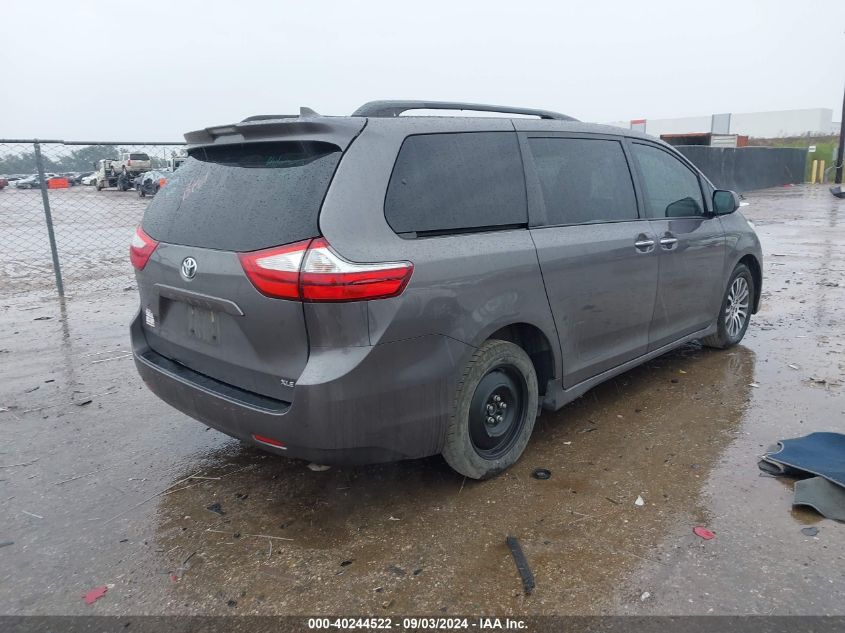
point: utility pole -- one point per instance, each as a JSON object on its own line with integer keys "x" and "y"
{"x": 839, "y": 153}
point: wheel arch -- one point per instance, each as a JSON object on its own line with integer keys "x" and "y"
{"x": 756, "y": 274}
{"x": 536, "y": 344}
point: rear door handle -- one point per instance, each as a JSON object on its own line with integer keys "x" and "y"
{"x": 668, "y": 243}
{"x": 644, "y": 244}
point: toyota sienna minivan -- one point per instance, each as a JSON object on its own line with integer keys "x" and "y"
{"x": 381, "y": 287}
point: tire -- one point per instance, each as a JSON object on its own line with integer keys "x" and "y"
{"x": 141, "y": 191}
{"x": 730, "y": 331}
{"x": 474, "y": 447}
{"x": 99, "y": 187}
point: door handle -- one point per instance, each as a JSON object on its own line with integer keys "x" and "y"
{"x": 668, "y": 242}
{"x": 643, "y": 244}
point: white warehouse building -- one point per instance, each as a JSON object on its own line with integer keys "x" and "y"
{"x": 777, "y": 124}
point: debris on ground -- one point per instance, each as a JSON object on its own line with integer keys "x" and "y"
{"x": 216, "y": 508}
{"x": 81, "y": 399}
{"x": 703, "y": 532}
{"x": 42, "y": 318}
{"x": 176, "y": 575}
{"x": 20, "y": 464}
{"x": 541, "y": 473}
{"x": 639, "y": 501}
{"x": 645, "y": 596}
{"x": 6, "y": 543}
{"x": 95, "y": 594}
{"x": 318, "y": 468}
{"x": 809, "y": 531}
{"x": 821, "y": 454}
{"x": 240, "y": 534}
{"x": 821, "y": 495}
{"x": 346, "y": 563}
{"x": 521, "y": 564}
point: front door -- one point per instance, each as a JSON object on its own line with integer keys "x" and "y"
{"x": 691, "y": 245}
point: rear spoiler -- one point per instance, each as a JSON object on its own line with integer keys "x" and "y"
{"x": 307, "y": 126}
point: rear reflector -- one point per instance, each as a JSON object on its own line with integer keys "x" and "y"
{"x": 268, "y": 440}
{"x": 140, "y": 249}
{"x": 312, "y": 271}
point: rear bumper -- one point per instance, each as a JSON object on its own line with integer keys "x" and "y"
{"x": 351, "y": 405}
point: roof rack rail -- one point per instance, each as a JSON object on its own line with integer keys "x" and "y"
{"x": 395, "y": 108}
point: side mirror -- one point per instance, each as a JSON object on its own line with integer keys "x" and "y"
{"x": 725, "y": 202}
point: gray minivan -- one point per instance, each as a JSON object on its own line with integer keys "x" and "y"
{"x": 381, "y": 287}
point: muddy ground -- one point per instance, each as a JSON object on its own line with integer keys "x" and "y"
{"x": 98, "y": 493}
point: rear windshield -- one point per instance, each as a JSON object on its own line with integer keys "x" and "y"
{"x": 138, "y": 157}
{"x": 244, "y": 197}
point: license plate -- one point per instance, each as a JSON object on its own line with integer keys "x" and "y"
{"x": 203, "y": 325}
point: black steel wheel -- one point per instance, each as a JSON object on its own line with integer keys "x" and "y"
{"x": 495, "y": 409}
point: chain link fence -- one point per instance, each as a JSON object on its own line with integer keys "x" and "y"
{"x": 68, "y": 210}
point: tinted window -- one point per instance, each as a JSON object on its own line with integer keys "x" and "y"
{"x": 138, "y": 157}
{"x": 244, "y": 197}
{"x": 583, "y": 180}
{"x": 449, "y": 182}
{"x": 671, "y": 188}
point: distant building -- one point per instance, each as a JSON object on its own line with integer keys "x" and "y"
{"x": 777, "y": 124}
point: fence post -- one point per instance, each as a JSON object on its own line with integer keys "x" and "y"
{"x": 48, "y": 217}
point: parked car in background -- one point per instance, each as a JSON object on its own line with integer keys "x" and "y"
{"x": 71, "y": 177}
{"x": 89, "y": 179}
{"x": 31, "y": 182}
{"x": 381, "y": 287}
{"x": 3, "y": 183}
{"x": 28, "y": 182}
{"x": 148, "y": 183}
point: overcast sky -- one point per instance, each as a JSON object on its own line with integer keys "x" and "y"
{"x": 151, "y": 70}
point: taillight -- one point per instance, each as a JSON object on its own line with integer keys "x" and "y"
{"x": 275, "y": 271}
{"x": 326, "y": 276}
{"x": 140, "y": 248}
{"x": 312, "y": 271}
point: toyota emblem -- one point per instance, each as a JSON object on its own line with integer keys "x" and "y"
{"x": 189, "y": 268}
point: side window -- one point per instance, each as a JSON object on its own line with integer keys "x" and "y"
{"x": 583, "y": 180}
{"x": 456, "y": 182}
{"x": 672, "y": 190}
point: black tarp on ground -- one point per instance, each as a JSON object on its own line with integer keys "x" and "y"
{"x": 747, "y": 168}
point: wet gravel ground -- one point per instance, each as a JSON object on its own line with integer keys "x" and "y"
{"x": 102, "y": 484}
